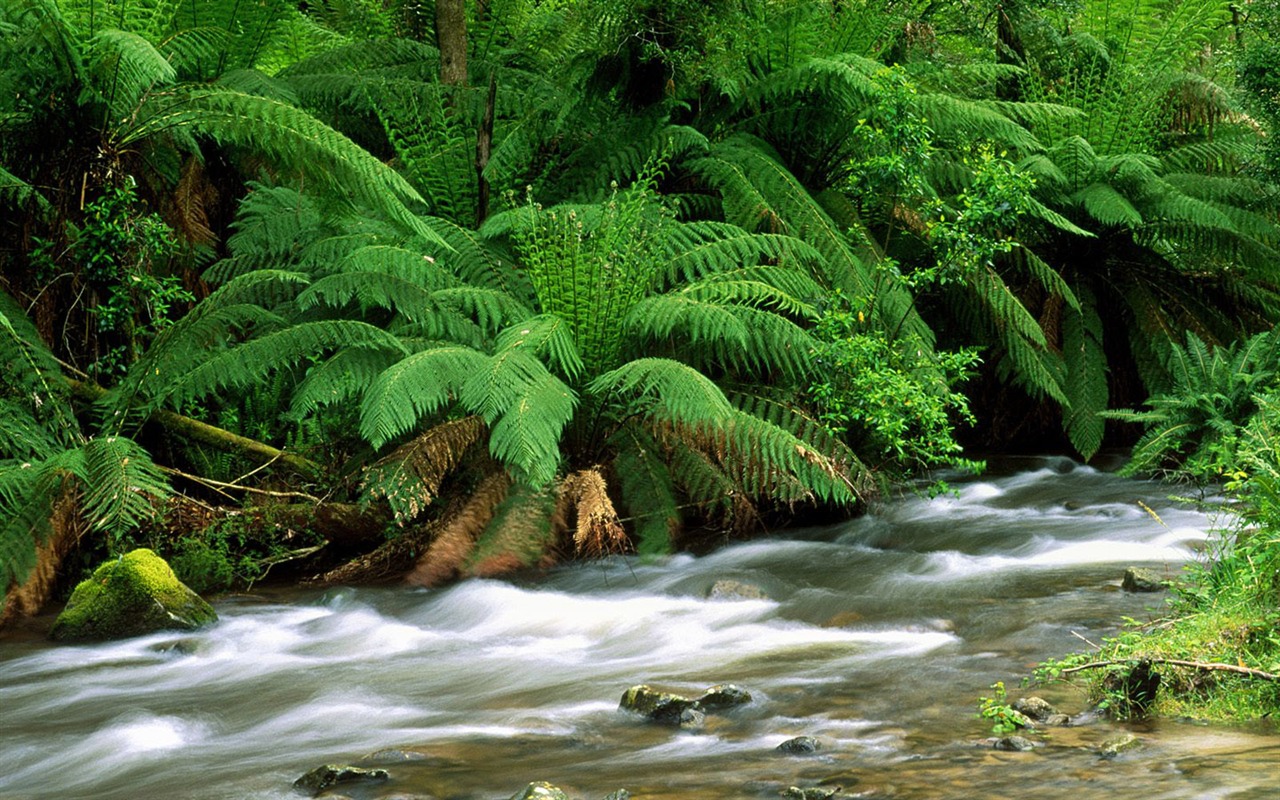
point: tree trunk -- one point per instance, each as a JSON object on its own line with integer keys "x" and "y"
{"x": 211, "y": 435}
{"x": 451, "y": 38}
{"x": 484, "y": 147}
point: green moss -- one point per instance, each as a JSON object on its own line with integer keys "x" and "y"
{"x": 134, "y": 594}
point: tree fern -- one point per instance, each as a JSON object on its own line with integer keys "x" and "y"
{"x": 1086, "y": 376}
{"x": 291, "y": 136}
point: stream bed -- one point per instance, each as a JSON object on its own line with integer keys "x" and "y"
{"x": 877, "y": 636}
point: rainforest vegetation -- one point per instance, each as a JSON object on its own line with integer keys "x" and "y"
{"x": 458, "y": 288}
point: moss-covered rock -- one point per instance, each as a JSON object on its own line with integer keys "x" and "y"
{"x": 132, "y": 595}
{"x": 540, "y": 790}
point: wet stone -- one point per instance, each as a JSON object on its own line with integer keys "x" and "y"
{"x": 1014, "y": 744}
{"x": 735, "y": 590}
{"x": 1123, "y": 743}
{"x": 540, "y": 790}
{"x": 811, "y": 793}
{"x": 1058, "y": 721}
{"x": 1035, "y": 708}
{"x": 329, "y": 775}
{"x": 722, "y": 696}
{"x": 1137, "y": 579}
{"x": 618, "y": 794}
{"x": 799, "y": 746}
{"x": 664, "y": 707}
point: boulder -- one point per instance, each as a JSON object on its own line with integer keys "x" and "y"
{"x": 735, "y": 590}
{"x": 722, "y": 696}
{"x": 799, "y": 746}
{"x": 132, "y": 595}
{"x": 330, "y": 775}
{"x": 811, "y": 792}
{"x": 664, "y": 707}
{"x": 540, "y": 790}
{"x": 1034, "y": 708}
{"x": 1138, "y": 579}
{"x": 618, "y": 794}
{"x": 1017, "y": 744}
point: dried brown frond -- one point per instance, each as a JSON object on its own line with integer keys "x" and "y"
{"x": 190, "y": 198}
{"x": 598, "y": 531}
{"x": 410, "y": 476}
{"x": 457, "y": 539}
{"x": 520, "y": 535}
{"x": 26, "y": 599}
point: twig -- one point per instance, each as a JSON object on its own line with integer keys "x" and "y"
{"x": 213, "y": 484}
{"x": 1086, "y": 641}
{"x": 1206, "y": 667}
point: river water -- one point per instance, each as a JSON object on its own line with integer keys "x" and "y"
{"x": 877, "y": 638}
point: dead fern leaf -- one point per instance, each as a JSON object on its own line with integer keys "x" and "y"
{"x": 598, "y": 530}
{"x": 410, "y": 476}
{"x": 456, "y": 542}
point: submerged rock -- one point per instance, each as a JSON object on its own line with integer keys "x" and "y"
{"x": 330, "y": 775}
{"x": 540, "y": 790}
{"x": 735, "y": 590}
{"x": 1116, "y": 745}
{"x": 132, "y": 595}
{"x": 799, "y": 746}
{"x": 618, "y": 794}
{"x": 722, "y": 696}
{"x": 1137, "y": 579}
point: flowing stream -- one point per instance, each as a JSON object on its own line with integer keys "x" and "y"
{"x": 877, "y": 637}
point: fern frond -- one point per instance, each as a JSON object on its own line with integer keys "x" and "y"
{"x": 697, "y": 249}
{"x": 123, "y": 485}
{"x": 252, "y": 361}
{"x": 647, "y": 493}
{"x": 343, "y": 376}
{"x": 526, "y": 408}
{"x": 123, "y": 67}
{"x": 286, "y": 134}
{"x": 21, "y": 435}
{"x": 548, "y": 337}
{"x": 597, "y": 531}
{"x": 676, "y": 390}
{"x": 1086, "y": 371}
{"x": 520, "y": 535}
{"x": 415, "y": 387}
{"x": 451, "y": 548}
{"x": 409, "y": 477}
{"x": 1108, "y": 206}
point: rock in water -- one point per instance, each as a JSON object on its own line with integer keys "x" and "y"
{"x": 799, "y": 746}
{"x": 725, "y": 695}
{"x": 1016, "y": 744}
{"x": 1035, "y": 708}
{"x": 659, "y": 706}
{"x": 735, "y": 590}
{"x": 132, "y": 595}
{"x": 329, "y": 775}
{"x": 1121, "y": 743}
{"x": 540, "y": 790}
{"x": 1137, "y": 579}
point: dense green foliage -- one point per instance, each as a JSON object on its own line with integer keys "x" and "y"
{"x": 643, "y": 269}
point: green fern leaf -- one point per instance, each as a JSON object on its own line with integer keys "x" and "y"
{"x": 1086, "y": 384}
